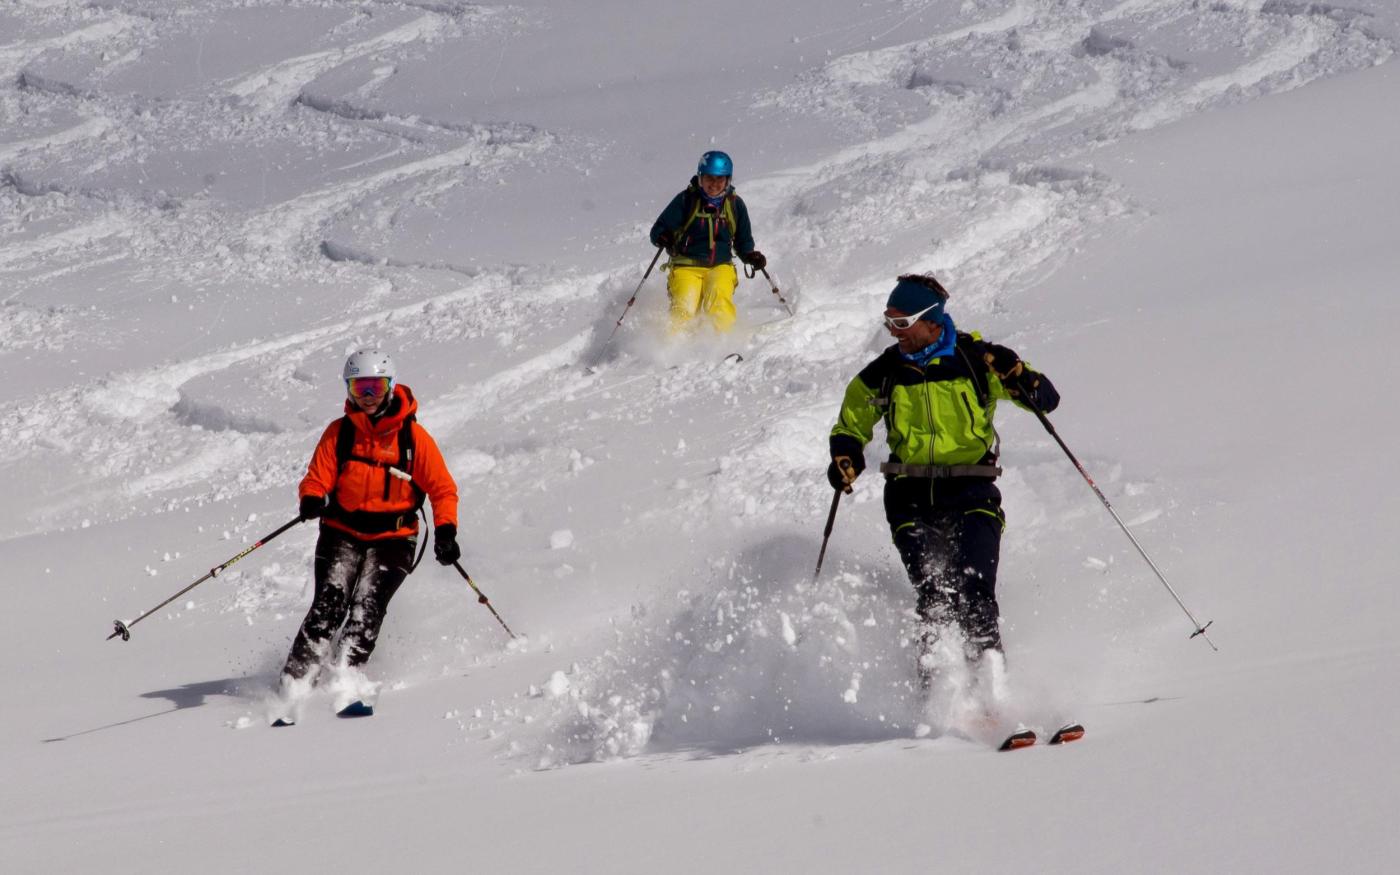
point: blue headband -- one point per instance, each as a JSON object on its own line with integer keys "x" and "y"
{"x": 910, "y": 297}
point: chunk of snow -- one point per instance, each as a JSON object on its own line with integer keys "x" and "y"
{"x": 557, "y": 686}
{"x": 789, "y": 633}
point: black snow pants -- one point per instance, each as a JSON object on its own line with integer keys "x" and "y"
{"x": 948, "y": 532}
{"x": 354, "y": 581}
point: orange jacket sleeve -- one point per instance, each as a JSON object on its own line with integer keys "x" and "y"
{"x": 431, "y": 474}
{"x": 323, "y": 468}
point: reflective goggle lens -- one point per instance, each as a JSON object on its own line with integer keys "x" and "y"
{"x": 368, "y": 385}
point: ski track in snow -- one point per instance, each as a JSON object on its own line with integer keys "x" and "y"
{"x": 759, "y": 655}
{"x": 269, "y": 108}
{"x": 14, "y": 56}
{"x": 273, "y": 89}
{"x": 89, "y": 129}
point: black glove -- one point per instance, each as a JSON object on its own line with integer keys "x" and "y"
{"x": 1009, "y": 368}
{"x": 1002, "y": 362}
{"x": 445, "y": 548}
{"x": 755, "y": 260}
{"x": 843, "y": 471}
{"x": 311, "y": 506}
{"x": 665, "y": 239}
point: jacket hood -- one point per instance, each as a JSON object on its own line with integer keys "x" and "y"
{"x": 401, "y": 407}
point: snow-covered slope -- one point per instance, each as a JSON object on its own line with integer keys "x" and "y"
{"x": 1180, "y": 211}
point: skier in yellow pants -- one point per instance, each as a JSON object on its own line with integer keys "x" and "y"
{"x": 708, "y": 290}
{"x": 702, "y": 229}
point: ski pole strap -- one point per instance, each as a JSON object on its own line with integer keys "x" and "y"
{"x": 938, "y": 472}
{"x": 423, "y": 548}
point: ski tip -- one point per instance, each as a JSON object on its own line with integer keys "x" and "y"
{"x": 356, "y": 709}
{"x": 283, "y": 721}
{"x": 1067, "y": 733}
{"x": 1018, "y": 740}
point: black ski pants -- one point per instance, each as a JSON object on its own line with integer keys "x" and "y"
{"x": 354, "y": 582}
{"x": 948, "y": 533}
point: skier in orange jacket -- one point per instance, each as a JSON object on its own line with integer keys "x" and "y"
{"x": 367, "y": 479}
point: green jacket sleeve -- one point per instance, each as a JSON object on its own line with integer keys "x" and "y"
{"x": 855, "y": 426}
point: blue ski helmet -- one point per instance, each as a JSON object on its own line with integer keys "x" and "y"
{"x": 715, "y": 164}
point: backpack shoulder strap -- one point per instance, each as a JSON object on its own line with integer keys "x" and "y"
{"x": 884, "y": 371}
{"x": 345, "y": 451}
{"x": 728, "y": 212}
{"x": 693, "y": 199}
{"x": 344, "y": 443}
{"x": 406, "y": 454}
{"x": 969, "y": 347}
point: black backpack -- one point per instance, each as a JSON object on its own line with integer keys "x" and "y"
{"x": 345, "y": 452}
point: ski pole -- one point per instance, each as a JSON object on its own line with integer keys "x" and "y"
{"x": 774, "y": 286}
{"x": 630, "y": 301}
{"x": 749, "y": 273}
{"x": 830, "y": 523}
{"x": 481, "y": 597}
{"x": 124, "y": 629}
{"x": 1045, "y": 421}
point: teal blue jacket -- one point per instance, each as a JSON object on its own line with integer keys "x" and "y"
{"x": 701, "y": 234}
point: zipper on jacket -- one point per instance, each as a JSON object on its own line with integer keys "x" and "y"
{"x": 932, "y": 435}
{"x": 972, "y": 418}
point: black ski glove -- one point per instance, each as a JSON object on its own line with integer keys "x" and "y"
{"x": 843, "y": 471}
{"x": 755, "y": 260}
{"x": 445, "y": 548}
{"x": 311, "y": 506}
{"x": 665, "y": 240}
{"x": 1002, "y": 362}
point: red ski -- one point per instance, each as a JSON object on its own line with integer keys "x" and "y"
{"x": 1027, "y": 737}
{"x": 1067, "y": 733}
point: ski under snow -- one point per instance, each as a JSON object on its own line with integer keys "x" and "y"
{"x": 1027, "y": 737}
{"x": 356, "y": 708}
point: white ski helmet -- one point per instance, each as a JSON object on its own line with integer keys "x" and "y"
{"x": 370, "y": 363}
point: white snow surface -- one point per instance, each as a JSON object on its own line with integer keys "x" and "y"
{"x": 1183, "y": 212}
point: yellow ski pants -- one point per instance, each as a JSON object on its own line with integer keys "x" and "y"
{"x": 708, "y": 290}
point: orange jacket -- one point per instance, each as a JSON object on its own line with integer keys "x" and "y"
{"x": 360, "y": 486}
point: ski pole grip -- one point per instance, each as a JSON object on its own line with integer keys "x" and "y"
{"x": 845, "y": 466}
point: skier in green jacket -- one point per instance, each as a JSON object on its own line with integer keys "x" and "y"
{"x": 936, "y": 389}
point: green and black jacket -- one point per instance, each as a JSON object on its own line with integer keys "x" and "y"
{"x": 938, "y": 414}
{"x": 702, "y": 235}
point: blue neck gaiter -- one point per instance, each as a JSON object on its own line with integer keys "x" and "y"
{"x": 944, "y": 345}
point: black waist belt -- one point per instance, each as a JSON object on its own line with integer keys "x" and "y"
{"x": 371, "y": 522}
{"x": 935, "y": 472}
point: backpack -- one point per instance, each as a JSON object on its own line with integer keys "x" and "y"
{"x": 345, "y": 452}
{"x": 726, "y": 213}
{"x": 969, "y": 347}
